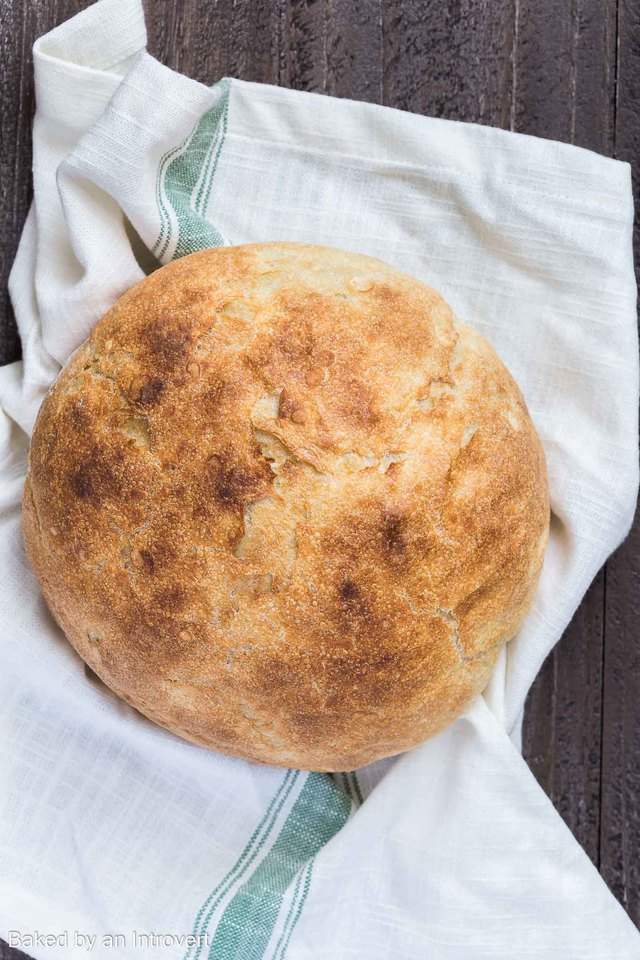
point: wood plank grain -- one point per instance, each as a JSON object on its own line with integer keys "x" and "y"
{"x": 16, "y": 110}
{"x": 452, "y": 60}
{"x": 20, "y": 25}
{"x": 545, "y": 58}
{"x": 303, "y": 50}
{"x": 562, "y": 729}
{"x": 564, "y": 88}
{"x": 564, "y": 57}
{"x": 594, "y": 78}
{"x": 354, "y": 49}
{"x": 10, "y": 953}
{"x": 208, "y": 41}
{"x": 332, "y": 46}
{"x": 620, "y": 824}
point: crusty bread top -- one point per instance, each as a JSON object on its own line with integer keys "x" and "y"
{"x": 283, "y": 503}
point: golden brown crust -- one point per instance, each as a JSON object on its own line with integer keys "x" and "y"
{"x": 286, "y": 506}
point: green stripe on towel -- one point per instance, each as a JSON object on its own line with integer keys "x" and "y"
{"x": 185, "y": 178}
{"x": 253, "y": 848}
{"x": 247, "y": 923}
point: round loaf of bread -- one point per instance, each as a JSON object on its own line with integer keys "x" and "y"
{"x": 286, "y": 506}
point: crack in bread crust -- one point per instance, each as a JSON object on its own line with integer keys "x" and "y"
{"x": 301, "y": 505}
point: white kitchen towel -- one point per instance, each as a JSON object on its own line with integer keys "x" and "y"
{"x": 119, "y": 840}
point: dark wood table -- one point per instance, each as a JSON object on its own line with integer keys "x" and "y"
{"x": 565, "y": 69}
